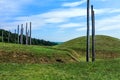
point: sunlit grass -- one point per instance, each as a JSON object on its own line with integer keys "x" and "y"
{"x": 100, "y": 70}
{"x": 105, "y": 46}
{"x": 13, "y": 53}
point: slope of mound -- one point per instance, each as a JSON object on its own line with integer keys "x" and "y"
{"x": 105, "y": 46}
{"x": 32, "y": 54}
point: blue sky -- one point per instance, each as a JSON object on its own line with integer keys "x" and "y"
{"x": 60, "y": 20}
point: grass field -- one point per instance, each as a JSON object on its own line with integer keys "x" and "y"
{"x": 100, "y": 70}
{"x": 63, "y": 62}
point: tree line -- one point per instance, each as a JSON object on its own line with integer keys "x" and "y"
{"x": 10, "y": 37}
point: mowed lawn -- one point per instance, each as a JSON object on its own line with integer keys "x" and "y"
{"x": 99, "y": 70}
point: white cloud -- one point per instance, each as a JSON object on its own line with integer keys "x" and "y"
{"x": 65, "y": 13}
{"x": 81, "y": 29}
{"x": 55, "y": 20}
{"x": 103, "y": 0}
{"x": 105, "y": 24}
{"x": 110, "y": 23}
{"x": 12, "y": 7}
{"x": 70, "y": 25}
{"x": 58, "y": 16}
{"x": 106, "y": 10}
{"x": 115, "y": 11}
{"x": 74, "y": 4}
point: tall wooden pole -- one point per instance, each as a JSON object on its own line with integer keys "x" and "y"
{"x": 93, "y": 33}
{"x": 21, "y": 34}
{"x": 88, "y": 35}
{"x": 26, "y": 34}
{"x": 30, "y": 32}
{"x": 18, "y": 34}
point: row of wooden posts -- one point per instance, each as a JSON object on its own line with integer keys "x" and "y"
{"x": 20, "y": 37}
{"x": 88, "y": 33}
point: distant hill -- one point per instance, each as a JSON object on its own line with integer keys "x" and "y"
{"x": 59, "y": 42}
{"x": 13, "y": 39}
{"x": 105, "y": 46}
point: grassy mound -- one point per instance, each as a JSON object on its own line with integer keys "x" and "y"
{"x": 105, "y": 46}
{"x": 32, "y": 54}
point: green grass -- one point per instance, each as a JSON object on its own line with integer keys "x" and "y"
{"x": 100, "y": 70}
{"x": 21, "y": 62}
{"x": 37, "y": 50}
{"x": 105, "y": 46}
{"x": 23, "y": 53}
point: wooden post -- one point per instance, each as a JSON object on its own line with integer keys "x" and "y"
{"x": 2, "y": 36}
{"x": 18, "y": 34}
{"x": 93, "y": 33}
{"x": 21, "y": 34}
{"x": 15, "y": 35}
{"x": 30, "y": 32}
{"x": 27, "y": 37}
{"x": 8, "y": 36}
{"x": 26, "y": 34}
{"x": 88, "y": 36}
